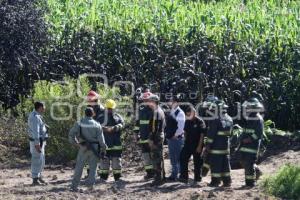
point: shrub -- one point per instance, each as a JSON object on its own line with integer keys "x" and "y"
{"x": 62, "y": 100}
{"x": 284, "y": 184}
{"x": 23, "y": 38}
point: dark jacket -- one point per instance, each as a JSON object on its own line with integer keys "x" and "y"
{"x": 113, "y": 140}
{"x": 218, "y": 135}
{"x": 253, "y": 129}
{"x": 99, "y": 112}
{"x": 193, "y": 131}
{"x": 143, "y": 123}
{"x": 157, "y": 126}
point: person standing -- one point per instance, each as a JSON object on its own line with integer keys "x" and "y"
{"x": 206, "y": 109}
{"x": 93, "y": 101}
{"x": 218, "y": 145}
{"x": 112, "y": 124}
{"x": 194, "y": 138}
{"x": 250, "y": 140}
{"x": 175, "y": 134}
{"x": 142, "y": 129}
{"x": 156, "y": 139}
{"x": 37, "y": 137}
{"x": 88, "y": 136}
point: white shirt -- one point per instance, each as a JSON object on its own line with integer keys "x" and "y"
{"x": 180, "y": 118}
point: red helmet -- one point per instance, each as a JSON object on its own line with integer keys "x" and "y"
{"x": 145, "y": 95}
{"x": 92, "y": 96}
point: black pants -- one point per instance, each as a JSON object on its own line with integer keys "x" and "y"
{"x": 185, "y": 156}
{"x": 248, "y": 161}
{"x": 220, "y": 168}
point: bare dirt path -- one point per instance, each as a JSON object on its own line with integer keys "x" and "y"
{"x": 15, "y": 184}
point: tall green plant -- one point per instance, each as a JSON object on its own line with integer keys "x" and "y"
{"x": 62, "y": 102}
{"x": 257, "y": 21}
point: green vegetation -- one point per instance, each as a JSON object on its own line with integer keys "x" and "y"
{"x": 62, "y": 102}
{"x": 233, "y": 48}
{"x": 284, "y": 184}
{"x": 256, "y": 21}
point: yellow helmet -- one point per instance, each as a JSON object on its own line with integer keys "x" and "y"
{"x": 110, "y": 104}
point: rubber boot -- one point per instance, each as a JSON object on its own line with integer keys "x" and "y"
{"x": 258, "y": 172}
{"x": 104, "y": 176}
{"x": 149, "y": 175}
{"x": 117, "y": 177}
{"x": 226, "y": 182}
{"x": 250, "y": 183}
{"x": 215, "y": 182}
{"x": 197, "y": 180}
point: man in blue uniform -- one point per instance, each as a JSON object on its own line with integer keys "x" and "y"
{"x": 88, "y": 136}
{"x": 37, "y": 137}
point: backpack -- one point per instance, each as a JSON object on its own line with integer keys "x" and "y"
{"x": 171, "y": 125}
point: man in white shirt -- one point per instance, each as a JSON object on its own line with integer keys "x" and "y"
{"x": 175, "y": 134}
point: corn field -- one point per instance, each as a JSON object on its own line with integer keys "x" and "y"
{"x": 233, "y": 48}
{"x": 256, "y": 21}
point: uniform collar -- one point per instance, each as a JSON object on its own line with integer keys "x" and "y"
{"x": 173, "y": 110}
{"x": 36, "y": 112}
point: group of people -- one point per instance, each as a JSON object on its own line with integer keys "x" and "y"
{"x": 206, "y": 138}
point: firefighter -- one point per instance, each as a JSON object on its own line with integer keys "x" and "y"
{"x": 142, "y": 130}
{"x": 112, "y": 124}
{"x": 93, "y": 101}
{"x": 250, "y": 140}
{"x": 206, "y": 107}
{"x": 218, "y": 146}
{"x": 156, "y": 139}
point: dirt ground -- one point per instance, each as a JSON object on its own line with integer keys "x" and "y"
{"x": 15, "y": 184}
